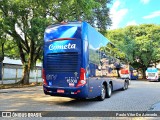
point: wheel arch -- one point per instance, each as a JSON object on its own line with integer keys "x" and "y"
{"x": 105, "y": 83}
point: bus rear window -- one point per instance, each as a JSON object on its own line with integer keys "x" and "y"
{"x": 62, "y": 33}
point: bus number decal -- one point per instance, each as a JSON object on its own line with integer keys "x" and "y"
{"x": 71, "y": 79}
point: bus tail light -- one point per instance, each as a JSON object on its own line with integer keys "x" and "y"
{"x": 82, "y": 80}
{"x": 44, "y": 77}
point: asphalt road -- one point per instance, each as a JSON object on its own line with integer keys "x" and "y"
{"x": 141, "y": 96}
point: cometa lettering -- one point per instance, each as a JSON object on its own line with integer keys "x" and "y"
{"x": 69, "y": 46}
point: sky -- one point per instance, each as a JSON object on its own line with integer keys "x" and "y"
{"x": 134, "y": 12}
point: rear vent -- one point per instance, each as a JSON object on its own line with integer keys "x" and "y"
{"x": 62, "y": 62}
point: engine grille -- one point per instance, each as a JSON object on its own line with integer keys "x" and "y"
{"x": 62, "y": 62}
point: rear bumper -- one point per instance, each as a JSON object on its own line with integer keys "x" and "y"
{"x": 75, "y": 92}
{"x": 152, "y": 79}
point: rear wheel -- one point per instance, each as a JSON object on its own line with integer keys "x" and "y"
{"x": 109, "y": 91}
{"x": 103, "y": 93}
{"x": 45, "y": 92}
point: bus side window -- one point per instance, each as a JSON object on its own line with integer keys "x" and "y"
{"x": 88, "y": 71}
{"x": 91, "y": 67}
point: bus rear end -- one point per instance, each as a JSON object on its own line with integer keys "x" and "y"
{"x": 152, "y": 74}
{"x": 63, "y": 73}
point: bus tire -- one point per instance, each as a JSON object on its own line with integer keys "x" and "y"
{"x": 103, "y": 93}
{"x": 109, "y": 91}
{"x": 45, "y": 92}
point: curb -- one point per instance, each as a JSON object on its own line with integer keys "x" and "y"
{"x": 155, "y": 107}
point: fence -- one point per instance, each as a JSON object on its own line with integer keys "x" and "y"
{"x": 12, "y": 73}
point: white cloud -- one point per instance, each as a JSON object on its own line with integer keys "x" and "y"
{"x": 152, "y": 15}
{"x": 145, "y": 1}
{"x": 133, "y": 22}
{"x": 117, "y": 14}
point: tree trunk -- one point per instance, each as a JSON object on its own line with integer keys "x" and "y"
{"x": 1, "y": 66}
{"x": 1, "y": 58}
{"x": 1, "y": 52}
{"x": 25, "y": 76}
{"x": 144, "y": 73}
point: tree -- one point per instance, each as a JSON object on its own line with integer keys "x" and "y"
{"x": 147, "y": 46}
{"x": 18, "y": 22}
{"x": 95, "y": 12}
{"x": 24, "y": 22}
{"x": 140, "y": 43}
{"x": 2, "y": 41}
{"x": 100, "y": 18}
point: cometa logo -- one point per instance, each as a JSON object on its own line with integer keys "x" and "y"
{"x": 69, "y": 46}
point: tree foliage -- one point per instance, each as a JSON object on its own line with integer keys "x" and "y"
{"x": 100, "y": 17}
{"x": 24, "y": 21}
{"x": 140, "y": 43}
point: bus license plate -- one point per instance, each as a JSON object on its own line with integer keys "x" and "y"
{"x": 60, "y": 91}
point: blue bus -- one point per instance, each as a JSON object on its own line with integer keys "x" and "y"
{"x": 76, "y": 65}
